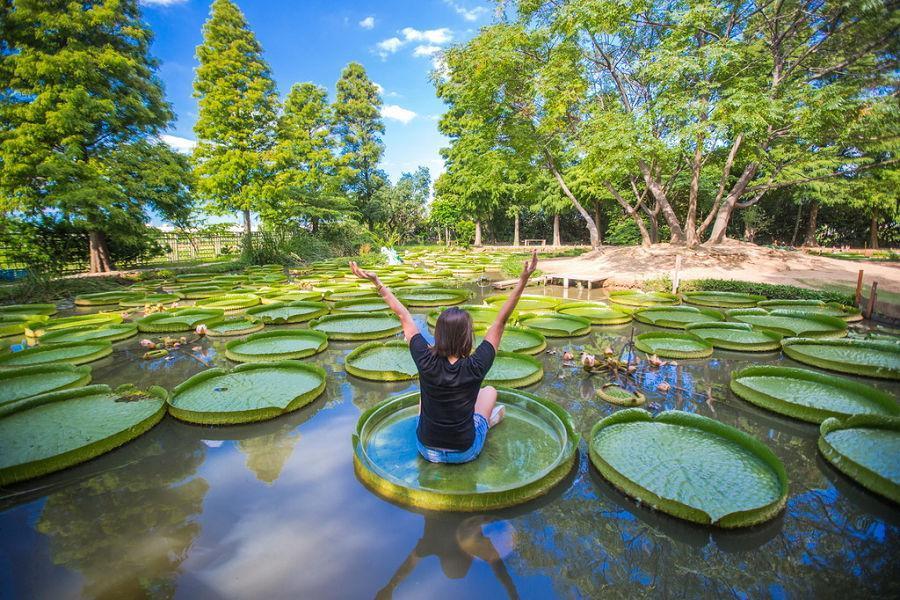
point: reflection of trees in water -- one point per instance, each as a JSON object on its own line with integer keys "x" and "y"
{"x": 127, "y": 530}
{"x": 267, "y": 454}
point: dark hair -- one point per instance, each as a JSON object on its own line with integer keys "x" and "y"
{"x": 453, "y": 333}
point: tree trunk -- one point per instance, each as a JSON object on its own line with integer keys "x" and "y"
{"x": 598, "y": 220}
{"x": 556, "y": 239}
{"x": 797, "y": 224}
{"x": 99, "y": 252}
{"x": 248, "y": 224}
{"x": 653, "y": 220}
{"x": 516, "y": 230}
{"x": 447, "y": 235}
{"x": 690, "y": 221}
{"x": 631, "y": 212}
{"x": 589, "y": 222}
{"x": 315, "y": 224}
{"x": 659, "y": 194}
{"x": 723, "y": 215}
{"x": 478, "y": 233}
{"x": 873, "y": 231}
{"x": 439, "y": 241}
{"x": 810, "y": 238}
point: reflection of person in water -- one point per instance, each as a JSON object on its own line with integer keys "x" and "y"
{"x": 455, "y": 540}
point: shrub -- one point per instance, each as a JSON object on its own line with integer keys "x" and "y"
{"x": 769, "y": 290}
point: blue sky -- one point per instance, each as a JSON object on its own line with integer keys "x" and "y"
{"x": 398, "y": 42}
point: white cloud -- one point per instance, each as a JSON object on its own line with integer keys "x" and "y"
{"x": 432, "y": 36}
{"x": 389, "y": 46}
{"x": 397, "y": 113}
{"x": 367, "y": 23}
{"x": 162, "y": 2}
{"x": 179, "y": 144}
{"x": 426, "y": 50}
{"x": 469, "y": 14}
{"x": 378, "y": 87}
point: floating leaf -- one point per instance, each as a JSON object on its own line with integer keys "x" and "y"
{"x": 382, "y": 361}
{"x": 277, "y": 345}
{"x": 865, "y": 448}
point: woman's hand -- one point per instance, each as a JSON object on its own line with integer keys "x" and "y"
{"x": 363, "y": 274}
{"x": 530, "y": 266}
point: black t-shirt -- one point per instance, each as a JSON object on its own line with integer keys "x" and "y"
{"x": 448, "y": 394}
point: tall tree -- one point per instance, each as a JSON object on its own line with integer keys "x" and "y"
{"x": 306, "y": 187}
{"x": 402, "y": 206}
{"x": 238, "y": 106}
{"x": 359, "y": 125}
{"x": 79, "y": 87}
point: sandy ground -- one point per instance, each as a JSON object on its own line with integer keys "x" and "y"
{"x": 627, "y": 266}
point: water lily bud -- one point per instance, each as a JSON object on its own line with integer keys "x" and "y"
{"x": 609, "y": 351}
{"x": 588, "y": 360}
{"x": 201, "y": 329}
{"x": 568, "y": 356}
{"x": 147, "y": 343}
{"x": 663, "y": 387}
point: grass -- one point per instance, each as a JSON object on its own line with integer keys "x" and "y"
{"x": 47, "y": 289}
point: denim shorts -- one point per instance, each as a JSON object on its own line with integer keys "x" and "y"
{"x": 455, "y": 457}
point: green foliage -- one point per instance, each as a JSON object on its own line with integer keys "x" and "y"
{"x": 42, "y": 288}
{"x": 769, "y": 290}
{"x": 237, "y": 111}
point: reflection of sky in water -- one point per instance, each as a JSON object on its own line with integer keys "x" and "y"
{"x": 274, "y": 509}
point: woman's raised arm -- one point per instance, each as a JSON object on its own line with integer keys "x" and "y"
{"x": 409, "y": 325}
{"x": 495, "y": 333}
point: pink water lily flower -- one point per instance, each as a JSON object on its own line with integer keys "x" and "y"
{"x": 588, "y": 360}
{"x": 568, "y": 356}
{"x": 147, "y": 343}
{"x": 201, "y": 329}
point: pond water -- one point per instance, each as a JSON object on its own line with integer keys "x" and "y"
{"x": 274, "y": 509}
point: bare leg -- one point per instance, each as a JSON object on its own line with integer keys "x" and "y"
{"x": 487, "y": 398}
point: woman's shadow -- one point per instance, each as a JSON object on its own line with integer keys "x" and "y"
{"x": 456, "y": 539}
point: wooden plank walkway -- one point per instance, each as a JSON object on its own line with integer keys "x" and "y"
{"x": 588, "y": 281}
{"x": 506, "y": 284}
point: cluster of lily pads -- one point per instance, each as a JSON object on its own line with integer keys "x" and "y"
{"x": 50, "y": 418}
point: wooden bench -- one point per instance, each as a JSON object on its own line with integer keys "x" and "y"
{"x": 528, "y": 242}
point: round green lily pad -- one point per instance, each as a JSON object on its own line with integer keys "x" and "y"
{"x": 676, "y": 317}
{"x": 514, "y": 370}
{"x": 230, "y": 303}
{"x": 636, "y": 298}
{"x": 361, "y": 305}
{"x": 556, "y": 324}
{"x": 15, "y": 323}
{"x": 110, "y": 333}
{"x": 596, "y": 312}
{"x": 690, "y": 466}
{"x": 232, "y": 326}
{"x": 358, "y": 326}
{"x": 809, "y": 395}
{"x": 28, "y": 309}
{"x": 24, "y": 382}
{"x": 276, "y": 345}
{"x": 250, "y": 392}
{"x": 431, "y": 296}
{"x": 791, "y": 323}
{"x": 73, "y": 353}
{"x": 151, "y": 299}
{"x": 736, "y": 336}
{"x": 281, "y": 313}
{"x": 865, "y": 448}
{"x": 524, "y": 456}
{"x": 616, "y": 394}
{"x": 195, "y": 292}
{"x": 516, "y": 339}
{"x": 722, "y": 299}
{"x": 192, "y": 277}
{"x": 180, "y": 319}
{"x": 53, "y": 431}
{"x": 355, "y": 294}
{"x": 481, "y": 315}
{"x": 673, "y": 345}
{"x": 817, "y": 307}
{"x": 40, "y": 327}
{"x": 527, "y": 302}
{"x": 292, "y": 296}
{"x": 872, "y": 358}
{"x": 382, "y": 361}
{"x": 103, "y": 298}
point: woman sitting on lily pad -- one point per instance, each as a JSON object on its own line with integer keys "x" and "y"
{"x": 455, "y": 412}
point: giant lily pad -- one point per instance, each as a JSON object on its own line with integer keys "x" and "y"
{"x": 481, "y": 315}
{"x": 361, "y": 305}
{"x": 287, "y": 312}
{"x": 194, "y": 292}
{"x": 355, "y": 294}
{"x": 232, "y": 326}
{"x": 557, "y": 324}
{"x": 151, "y": 300}
{"x": 39, "y": 327}
{"x": 291, "y": 296}
{"x": 431, "y": 296}
{"x": 791, "y": 323}
{"x": 53, "y": 431}
{"x": 597, "y": 313}
{"x": 276, "y": 345}
{"x": 24, "y": 382}
{"x": 636, "y": 298}
{"x": 676, "y": 317}
{"x": 73, "y": 353}
{"x": 816, "y": 307}
{"x": 181, "y": 319}
{"x": 515, "y": 370}
{"x": 230, "y": 303}
{"x": 736, "y": 336}
{"x": 865, "y": 448}
{"x": 358, "y": 326}
{"x": 809, "y": 395}
{"x": 110, "y": 333}
{"x": 527, "y": 302}
{"x": 872, "y": 358}
{"x": 251, "y": 392}
{"x": 192, "y": 277}
{"x": 103, "y": 298}
{"x": 382, "y": 361}
{"x": 673, "y": 345}
{"x": 28, "y": 309}
{"x": 15, "y": 323}
{"x": 524, "y": 456}
{"x": 690, "y": 466}
{"x": 616, "y": 394}
{"x": 517, "y": 339}
{"x": 722, "y": 299}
